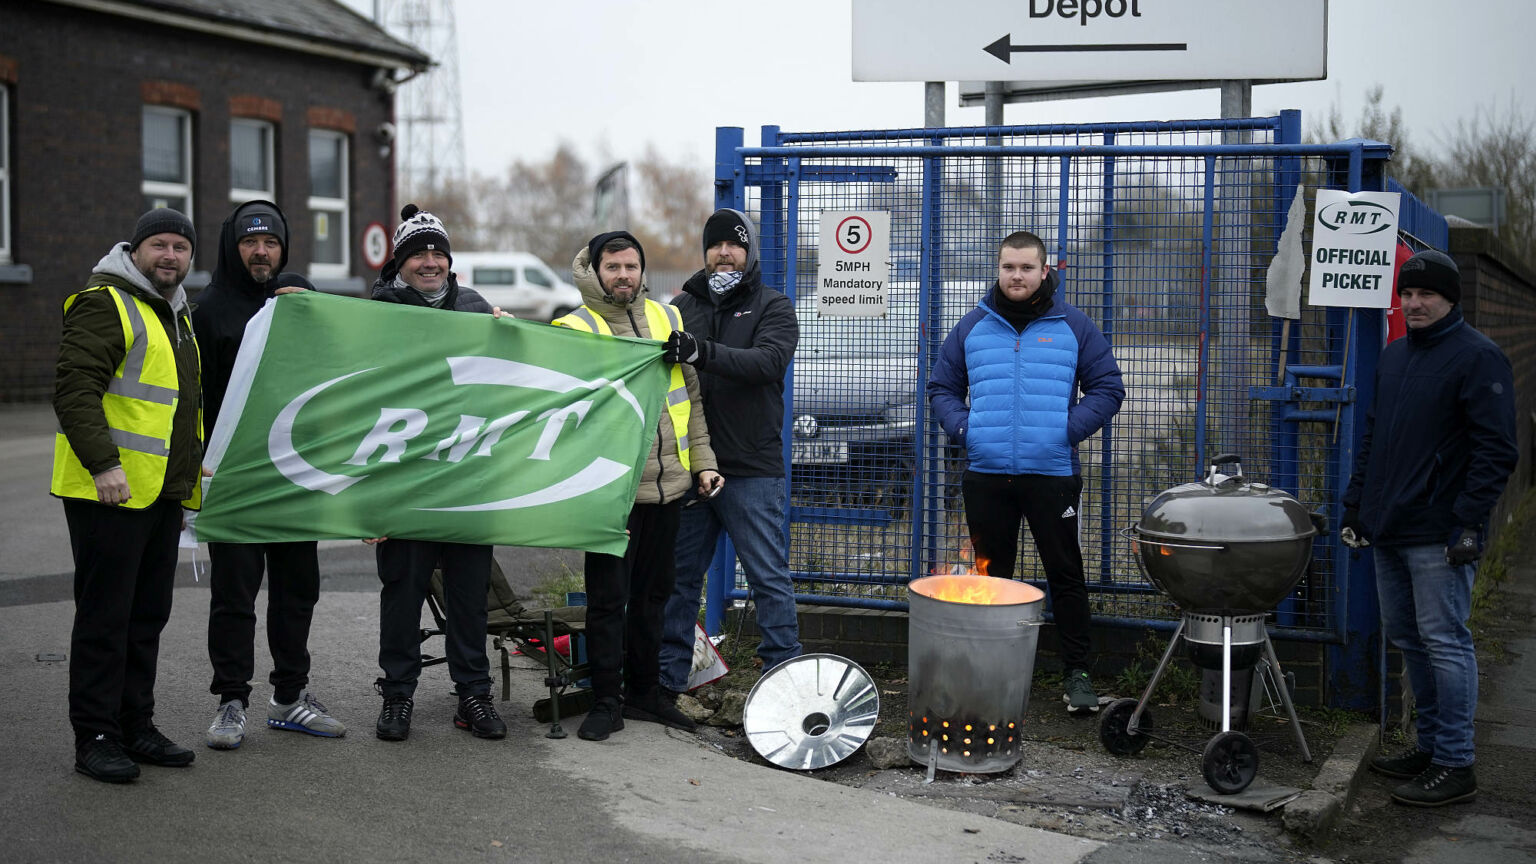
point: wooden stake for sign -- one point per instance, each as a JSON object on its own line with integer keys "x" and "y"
{"x": 1285, "y": 347}
{"x": 1338, "y": 411}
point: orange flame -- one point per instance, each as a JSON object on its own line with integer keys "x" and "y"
{"x": 962, "y": 590}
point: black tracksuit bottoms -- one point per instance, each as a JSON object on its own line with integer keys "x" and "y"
{"x": 293, "y": 588}
{"x": 625, "y": 600}
{"x": 125, "y": 568}
{"x": 405, "y": 568}
{"x": 995, "y": 505}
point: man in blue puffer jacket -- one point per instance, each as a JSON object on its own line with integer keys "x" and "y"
{"x": 1022, "y": 356}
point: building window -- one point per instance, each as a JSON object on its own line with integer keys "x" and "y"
{"x": 168, "y": 159}
{"x": 251, "y": 162}
{"x": 328, "y": 203}
{"x": 5, "y": 176}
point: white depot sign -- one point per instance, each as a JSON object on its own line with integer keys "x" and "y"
{"x": 1354, "y": 246}
{"x": 1089, "y": 40}
{"x": 853, "y": 268}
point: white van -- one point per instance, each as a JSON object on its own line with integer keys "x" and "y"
{"x": 518, "y": 282}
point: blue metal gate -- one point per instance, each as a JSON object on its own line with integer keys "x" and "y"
{"x": 1161, "y": 233}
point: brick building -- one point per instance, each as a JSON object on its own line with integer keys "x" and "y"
{"x": 110, "y": 107}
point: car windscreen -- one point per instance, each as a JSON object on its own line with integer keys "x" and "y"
{"x": 823, "y": 336}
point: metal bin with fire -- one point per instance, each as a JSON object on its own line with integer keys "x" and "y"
{"x": 1226, "y": 551}
{"x": 971, "y": 643}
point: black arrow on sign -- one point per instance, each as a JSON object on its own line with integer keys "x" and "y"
{"x": 1003, "y": 49}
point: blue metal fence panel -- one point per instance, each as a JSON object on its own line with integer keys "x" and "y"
{"x": 1161, "y": 233}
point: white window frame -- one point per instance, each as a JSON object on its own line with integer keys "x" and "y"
{"x": 336, "y": 208}
{"x": 153, "y": 188}
{"x": 5, "y": 174}
{"x": 240, "y": 195}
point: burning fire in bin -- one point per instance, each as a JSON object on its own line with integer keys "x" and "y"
{"x": 970, "y": 660}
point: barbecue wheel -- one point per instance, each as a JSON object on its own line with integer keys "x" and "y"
{"x": 1114, "y": 729}
{"x": 1230, "y": 762}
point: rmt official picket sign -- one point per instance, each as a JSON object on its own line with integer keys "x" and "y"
{"x": 1354, "y": 238}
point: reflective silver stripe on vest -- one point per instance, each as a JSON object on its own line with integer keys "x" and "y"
{"x": 677, "y": 397}
{"x": 138, "y": 443}
{"x": 682, "y": 443}
{"x": 586, "y": 315}
{"x": 131, "y": 384}
{"x": 674, "y": 315}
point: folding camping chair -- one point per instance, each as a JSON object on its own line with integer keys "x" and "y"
{"x": 531, "y": 633}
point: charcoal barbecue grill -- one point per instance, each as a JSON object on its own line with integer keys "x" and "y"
{"x": 1226, "y": 551}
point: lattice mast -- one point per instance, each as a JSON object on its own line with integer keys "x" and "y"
{"x": 428, "y": 111}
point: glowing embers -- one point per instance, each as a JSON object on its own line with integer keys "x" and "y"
{"x": 973, "y": 742}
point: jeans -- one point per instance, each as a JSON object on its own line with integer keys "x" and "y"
{"x": 751, "y": 511}
{"x": 1425, "y": 603}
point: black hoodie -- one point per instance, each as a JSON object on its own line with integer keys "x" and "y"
{"x": 223, "y": 308}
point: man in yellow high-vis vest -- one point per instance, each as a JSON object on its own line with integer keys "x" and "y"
{"x": 625, "y": 596}
{"x": 126, "y": 460}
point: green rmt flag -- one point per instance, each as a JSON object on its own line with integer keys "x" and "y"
{"x": 352, "y": 418}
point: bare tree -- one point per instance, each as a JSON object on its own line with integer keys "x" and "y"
{"x": 540, "y": 207}
{"x": 1498, "y": 148}
{"x": 1415, "y": 170}
{"x": 674, "y": 201}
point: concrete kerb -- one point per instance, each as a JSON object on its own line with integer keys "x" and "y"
{"x": 1315, "y": 813}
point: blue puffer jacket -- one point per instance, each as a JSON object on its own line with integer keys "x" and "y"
{"x": 1024, "y": 415}
{"x": 1440, "y": 439}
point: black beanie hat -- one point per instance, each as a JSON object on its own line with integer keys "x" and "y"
{"x": 162, "y": 220}
{"x": 725, "y": 224}
{"x": 595, "y": 247}
{"x": 419, "y": 230}
{"x": 1434, "y": 271}
{"x": 259, "y": 217}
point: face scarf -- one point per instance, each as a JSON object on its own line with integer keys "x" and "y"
{"x": 723, "y": 283}
{"x": 435, "y": 299}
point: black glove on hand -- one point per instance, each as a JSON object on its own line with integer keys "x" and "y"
{"x": 1465, "y": 548}
{"x": 681, "y": 347}
{"x": 1352, "y": 530}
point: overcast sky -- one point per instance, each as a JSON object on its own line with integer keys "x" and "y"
{"x": 610, "y": 75}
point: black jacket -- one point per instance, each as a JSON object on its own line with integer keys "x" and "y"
{"x": 457, "y": 300}
{"x": 1439, "y": 437}
{"x": 746, "y": 342}
{"x": 225, "y": 307}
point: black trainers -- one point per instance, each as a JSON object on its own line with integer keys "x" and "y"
{"x": 147, "y": 744}
{"x": 102, "y": 758}
{"x": 395, "y": 718}
{"x": 478, "y": 715}
{"x": 604, "y": 719}
{"x": 1080, "y": 696}
{"x": 656, "y": 706}
{"x": 1409, "y": 763}
{"x": 1437, "y": 786}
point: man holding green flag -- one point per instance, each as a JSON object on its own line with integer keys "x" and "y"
{"x": 626, "y": 595}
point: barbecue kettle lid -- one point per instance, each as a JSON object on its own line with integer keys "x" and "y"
{"x": 1225, "y": 508}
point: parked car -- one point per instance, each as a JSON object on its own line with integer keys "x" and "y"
{"x": 518, "y": 282}
{"x": 856, "y": 401}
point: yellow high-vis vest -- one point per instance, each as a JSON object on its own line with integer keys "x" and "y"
{"x": 140, "y": 404}
{"x": 661, "y": 319}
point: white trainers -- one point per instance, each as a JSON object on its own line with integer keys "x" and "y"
{"x": 228, "y": 729}
{"x": 304, "y": 715}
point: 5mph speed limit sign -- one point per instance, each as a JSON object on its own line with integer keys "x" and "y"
{"x": 854, "y": 268}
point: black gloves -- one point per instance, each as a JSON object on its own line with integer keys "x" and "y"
{"x": 1465, "y": 548}
{"x": 682, "y": 347}
{"x": 1352, "y": 530}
